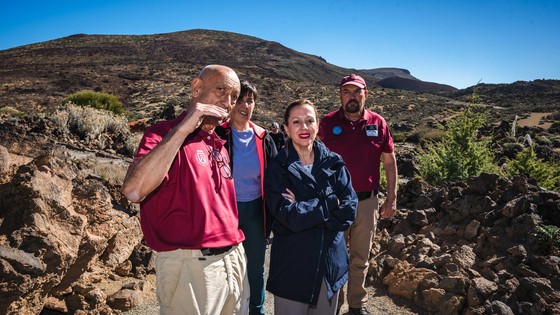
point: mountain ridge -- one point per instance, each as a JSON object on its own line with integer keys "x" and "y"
{"x": 147, "y": 71}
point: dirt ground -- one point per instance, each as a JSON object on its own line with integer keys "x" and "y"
{"x": 535, "y": 120}
{"x": 379, "y": 303}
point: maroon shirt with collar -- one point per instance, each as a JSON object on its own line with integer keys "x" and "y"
{"x": 194, "y": 207}
{"x": 360, "y": 143}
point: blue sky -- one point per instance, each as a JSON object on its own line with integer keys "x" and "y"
{"x": 455, "y": 42}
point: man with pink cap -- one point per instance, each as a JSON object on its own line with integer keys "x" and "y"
{"x": 363, "y": 139}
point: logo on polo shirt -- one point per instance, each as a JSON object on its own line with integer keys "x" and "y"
{"x": 337, "y": 130}
{"x": 201, "y": 157}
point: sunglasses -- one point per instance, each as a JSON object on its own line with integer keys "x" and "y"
{"x": 225, "y": 170}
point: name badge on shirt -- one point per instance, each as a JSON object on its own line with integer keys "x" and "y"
{"x": 371, "y": 130}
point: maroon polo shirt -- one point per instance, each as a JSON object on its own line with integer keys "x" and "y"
{"x": 360, "y": 143}
{"x": 194, "y": 207}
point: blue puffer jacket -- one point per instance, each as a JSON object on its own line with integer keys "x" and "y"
{"x": 309, "y": 243}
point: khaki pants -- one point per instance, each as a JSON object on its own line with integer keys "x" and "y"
{"x": 359, "y": 238}
{"x": 191, "y": 284}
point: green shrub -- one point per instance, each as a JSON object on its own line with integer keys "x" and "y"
{"x": 96, "y": 100}
{"x": 461, "y": 153}
{"x": 548, "y": 236}
{"x": 382, "y": 175}
{"x": 10, "y": 111}
{"x": 526, "y": 162}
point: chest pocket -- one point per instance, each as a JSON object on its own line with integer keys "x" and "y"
{"x": 376, "y": 141}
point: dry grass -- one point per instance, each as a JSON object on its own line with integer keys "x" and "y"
{"x": 133, "y": 141}
{"x": 424, "y": 132}
{"x": 111, "y": 171}
{"x": 10, "y": 111}
{"x": 88, "y": 123}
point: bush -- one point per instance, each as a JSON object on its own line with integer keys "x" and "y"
{"x": 132, "y": 142}
{"x": 526, "y": 162}
{"x": 88, "y": 123}
{"x": 555, "y": 127}
{"x": 424, "y": 133}
{"x": 399, "y": 136}
{"x": 97, "y": 100}
{"x": 10, "y": 111}
{"x": 548, "y": 237}
{"x": 460, "y": 154}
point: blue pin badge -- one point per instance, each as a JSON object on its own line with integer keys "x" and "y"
{"x": 337, "y": 130}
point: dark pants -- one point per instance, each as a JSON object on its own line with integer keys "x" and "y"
{"x": 251, "y": 222}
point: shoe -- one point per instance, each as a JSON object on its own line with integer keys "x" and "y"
{"x": 359, "y": 311}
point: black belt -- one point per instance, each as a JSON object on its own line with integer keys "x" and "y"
{"x": 215, "y": 251}
{"x": 363, "y": 195}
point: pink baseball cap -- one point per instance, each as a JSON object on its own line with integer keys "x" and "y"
{"x": 354, "y": 80}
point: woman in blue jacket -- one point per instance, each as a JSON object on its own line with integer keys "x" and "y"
{"x": 312, "y": 202}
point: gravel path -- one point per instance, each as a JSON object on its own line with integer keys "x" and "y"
{"x": 379, "y": 303}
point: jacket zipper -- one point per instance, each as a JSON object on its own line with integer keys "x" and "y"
{"x": 318, "y": 267}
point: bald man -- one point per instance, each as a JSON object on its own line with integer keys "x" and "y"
{"x": 181, "y": 178}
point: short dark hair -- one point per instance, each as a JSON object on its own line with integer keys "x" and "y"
{"x": 246, "y": 89}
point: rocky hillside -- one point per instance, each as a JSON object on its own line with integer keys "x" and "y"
{"x": 148, "y": 71}
{"x": 472, "y": 248}
{"x": 538, "y": 95}
{"x": 70, "y": 242}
